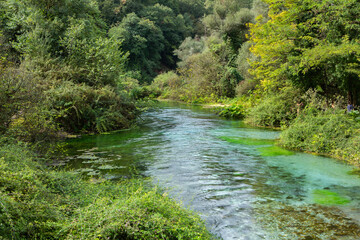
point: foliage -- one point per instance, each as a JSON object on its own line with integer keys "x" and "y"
{"x": 276, "y": 110}
{"x": 189, "y": 47}
{"x": 38, "y": 203}
{"x": 144, "y": 40}
{"x": 96, "y": 62}
{"x": 234, "y": 111}
{"x": 83, "y": 108}
{"x": 328, "y": 132}
{"x": 312, "y": 43}
{"x": 15, "y": 88}
{"x": 144, "y": 214}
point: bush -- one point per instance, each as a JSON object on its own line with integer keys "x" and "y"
{"x": 234, "y": 111}
{"x": 82, "y": 108}
{"x": 17, "y": 92}
{"x": 144, "y": 214}
{"x": 276, "y": 110}
{"x": 167, "y": 85}
{"x": 327, "y": 132}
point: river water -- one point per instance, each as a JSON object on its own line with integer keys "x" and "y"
{"x": 242, "y": 186}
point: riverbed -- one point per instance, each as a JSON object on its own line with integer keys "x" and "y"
{"x": 233, "y": 175}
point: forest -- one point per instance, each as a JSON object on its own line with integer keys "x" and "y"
{"x": 75, "y": 67}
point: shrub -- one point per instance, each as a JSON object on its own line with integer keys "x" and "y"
{"x": 17, "y": 92}
{"x": 234, "y": 111}
{"x": 84, "y": 108}
{"x": 144, "y": 214}
{"x": 276, "y": 110}
{"x": 327, "y": 132}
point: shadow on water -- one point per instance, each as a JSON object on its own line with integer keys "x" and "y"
{"x": 243, "y": 186}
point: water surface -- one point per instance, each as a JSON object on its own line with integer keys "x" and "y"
{"x": 223, "y": 170}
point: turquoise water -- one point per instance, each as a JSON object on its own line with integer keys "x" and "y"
{"x": 241, "y": 190}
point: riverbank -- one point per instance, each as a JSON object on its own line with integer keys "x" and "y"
{"x": 37, "y": 202}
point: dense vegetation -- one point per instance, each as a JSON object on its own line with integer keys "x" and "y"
{"x": 84, "y": 66}
{"x": 77, "y": 65}
{"x": 73, "y": 67}
{"x": 289, "y": 64}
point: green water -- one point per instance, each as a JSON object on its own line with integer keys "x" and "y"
{"x": 233, "y": 175}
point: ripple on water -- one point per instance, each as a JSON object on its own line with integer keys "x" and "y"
{"x": 224, "y": 170}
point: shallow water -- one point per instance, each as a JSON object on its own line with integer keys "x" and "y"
{"x": 242, "y": 186}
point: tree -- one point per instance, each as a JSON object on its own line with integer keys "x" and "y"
{"x": 313, "y": 43}
{"x": 143, "y": 40}
{"x": 173, "y": 29}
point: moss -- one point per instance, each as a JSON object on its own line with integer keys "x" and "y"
{"x": 327, "y": 197}
{"x": 247, "y": 141}
{"x": 274, "y": 151}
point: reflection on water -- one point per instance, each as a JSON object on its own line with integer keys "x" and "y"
{"x": 241, "y": 192}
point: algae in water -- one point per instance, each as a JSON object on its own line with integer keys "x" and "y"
{"x": 327, "y": 197}
{"x": 247, "y": 141}
{"x": 274, "y": 151}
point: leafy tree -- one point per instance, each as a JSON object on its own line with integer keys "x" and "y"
{"x": 144, "y": 42}
{"x": 173, "y": 29}
{"x": 188, "y": 47}
{"x": 236, "y": 27}
{"x": 314, "y": 44}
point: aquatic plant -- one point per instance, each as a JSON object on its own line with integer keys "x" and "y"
{"x": 247, "y": 141}
{"x": 274, "y": 151}
{"x": 327, "y": 197}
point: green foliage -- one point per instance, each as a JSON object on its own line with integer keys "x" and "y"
{"x": 173, "y": 29}
{"x": 96, "y": 62}
{"x": 189, "y": 47}
{"x": 234, "y": 111}
{"x": 15, "y": 88}
{"x": 144, "y": 40}
{"x": 328, "y": 132}
{"x": 144, "y": 214}
{"x": 236, "y": 27}
{"x": 276, "y": 110}
{"x": 80, "y": 108}
{"x": 167, "y": 85}
{"x": 312, "y": 43}
{"x": 37, "y": 203}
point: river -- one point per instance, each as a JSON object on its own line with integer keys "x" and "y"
{"x": 241, "y": 184}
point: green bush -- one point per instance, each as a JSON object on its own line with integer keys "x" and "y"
{"x": 234, "y": 111}
{"x": 17, "y": 92}
{"x": 38, "y": 203}
{"x": 144, "y": 214}
{"x": 81, "y": 108}
{"x": 277, "y": 109}
{"x": 328, "y": 132}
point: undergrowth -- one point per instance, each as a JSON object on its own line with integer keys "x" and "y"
{"x": 328, "y": 132}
